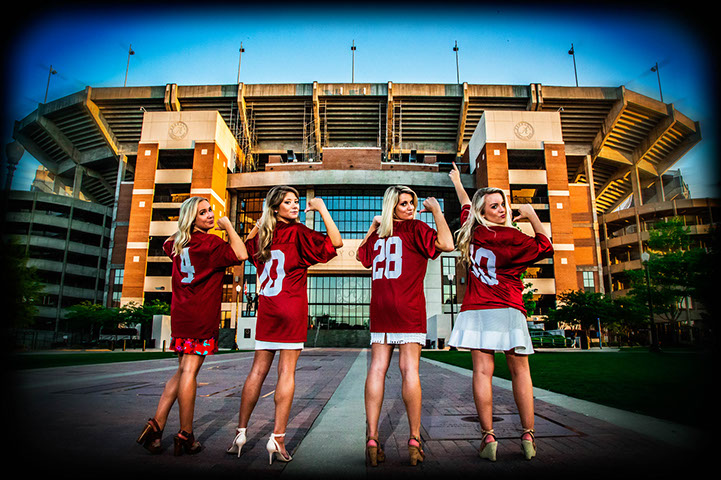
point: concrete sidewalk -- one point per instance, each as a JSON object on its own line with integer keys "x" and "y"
{"x": 83, "y": 421}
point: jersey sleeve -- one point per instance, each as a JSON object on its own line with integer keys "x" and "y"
{"x": 222, "y": 254}
{"x": 425, "y": 239}
{"x": 365, "y": 252}
{"x": 168, "y": 247}
{"x": 465, "y": 213}
{"x": 314, "y": 247}
{"x": 529, "y": 249}
{"x": 251, "y": 246}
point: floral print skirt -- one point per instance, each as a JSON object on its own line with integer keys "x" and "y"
{"x": 194, "y": 346}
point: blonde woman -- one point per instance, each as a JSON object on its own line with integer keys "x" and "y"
{"x": 397, "y": 248}
{"x": 282, "y": 249}
{"x": 199, "y": 262}
{"x": 493, "y": 317}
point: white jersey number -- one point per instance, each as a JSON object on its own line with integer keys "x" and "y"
{"x": 389, "y": 261}
{"x": 484, "y": 265}
{"x": 268, "y": 286}
{"x": 186, "y": 267}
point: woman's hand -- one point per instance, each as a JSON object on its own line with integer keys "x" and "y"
{"x": 224, "y": 224}
{"x": 315, "y": 204}
{"x": 455, "y": 175}
{"x": 430, "y": 204}
{"x": 525, "y": 211}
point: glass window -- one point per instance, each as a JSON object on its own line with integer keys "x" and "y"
{"x": 339, "y": 301}
{"x": 588, "y": 282}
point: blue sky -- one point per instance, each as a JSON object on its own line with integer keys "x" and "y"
{"x": 498, "y": 45}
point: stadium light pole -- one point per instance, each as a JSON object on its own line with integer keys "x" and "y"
{"x": 572, "y": 52}
{"x": 51, "y": 72}
{"x": 655, "y": 69}
{"x": 458, "y": 72}
{"x": 352, "y": 74}
{"x": 240, "y": 53}
{"x": 127, "y": 67}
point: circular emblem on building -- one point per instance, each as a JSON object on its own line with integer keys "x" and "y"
{"x": 523, "y": 130}
{"x": 178, "y": 130}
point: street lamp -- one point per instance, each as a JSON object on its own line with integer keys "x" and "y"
{"x": 352, "y": 49}
{"x": 130, "y": 52}
{"x": 658, "y": 75}
{"x": 654, "y": 334}
{"x": 573, "y": 53}
{"x": 240, "y": 53}
{"x": 458, "y": 73}
{"x": 50, "y": 73}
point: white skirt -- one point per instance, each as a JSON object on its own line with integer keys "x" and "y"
{"x": 398, "y": 338}
{"x": 261, "y": 345}
{"x": 499, "y": 329}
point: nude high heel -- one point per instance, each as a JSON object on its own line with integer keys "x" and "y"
{"x": 238, "y": 441}
{"x": 528, "y": 446}
{"x": 415, "y": 452}
{"x": 374, "y": 451}
{"x": 488, "y": 449}
{"x": 273, "y": 448}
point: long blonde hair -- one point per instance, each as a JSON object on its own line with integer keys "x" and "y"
{"x": 464, "y": 235}
{"x": 268, "y": 221}
{"x": 186, "y": 223}
{"x": 390, "y": 200}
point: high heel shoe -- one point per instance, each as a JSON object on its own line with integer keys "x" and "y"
{"x": 375, "y": 452}
{"x": 274, "y": 448}
{"x": 150, "y": 437}
{"x": 185, "y": 442}
{"x": 488, "y": 449}
{"x": 415, "y": 452}
{"x": 238, "y": 441}
{"x": 528, "y": 446}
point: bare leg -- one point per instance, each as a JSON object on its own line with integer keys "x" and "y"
{"x": 522, "y": 388}
{"x": 187, "y": 388}
{"x": 253, "y": 383}
{"x": 375, "y": 385}
{"x": 284, "y": 391}
{"x": 483, "y": 365}
{"x": 168, "y": 397}
{"x": 410, "y": 356}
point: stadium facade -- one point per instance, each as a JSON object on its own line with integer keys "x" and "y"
{"x": 575, "y": 153}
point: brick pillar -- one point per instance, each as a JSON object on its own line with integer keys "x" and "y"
{"x": 492, "y": 167}
{"x": 559, "y": 201}
{"x": 139, "y": 223}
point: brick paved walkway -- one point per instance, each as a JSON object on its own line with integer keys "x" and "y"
{"x": 83, "y": 421}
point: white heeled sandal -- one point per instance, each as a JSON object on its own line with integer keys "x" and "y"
{"x": 238, "y": 441}
{"x": 273, "y": 448}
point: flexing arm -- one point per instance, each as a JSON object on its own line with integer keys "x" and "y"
{"x": 444, "y": 241}
{"x": 455, "y": 175}
{"x": 317, "y": 204}
{"x": 527, "y": 211}
{"x": 233, "y": 238}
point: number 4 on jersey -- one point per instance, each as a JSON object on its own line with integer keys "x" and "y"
{"x": 186, "y": 267}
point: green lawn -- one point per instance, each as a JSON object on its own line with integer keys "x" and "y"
{"x": 674, "y": 385}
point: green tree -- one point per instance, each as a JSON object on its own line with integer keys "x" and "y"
{"x": 133, "y": 313}
{"x": 92, "y": 317}
{"x": 675, "y": 272}
{"x": 582, "y": 309}
{"x": 22, "y": 290}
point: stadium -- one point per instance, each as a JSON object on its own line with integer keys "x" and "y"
{"x": 577, "y": 154}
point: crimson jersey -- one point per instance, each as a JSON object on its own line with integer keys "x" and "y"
{"x": 197, "y": 283}
{"x": 282, "y": 281}
{"x": 398, "y": 264}
{"x": 499, "y": 255}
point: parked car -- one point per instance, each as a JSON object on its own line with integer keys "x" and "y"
{"x": 540, "y": 338}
